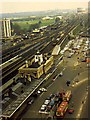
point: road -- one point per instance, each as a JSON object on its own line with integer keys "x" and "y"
{"x": 70, "y": 69}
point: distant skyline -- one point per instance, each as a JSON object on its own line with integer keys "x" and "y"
{"x": 28, "y": 6}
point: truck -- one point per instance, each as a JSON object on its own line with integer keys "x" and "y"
{"x": 62, "y": 109}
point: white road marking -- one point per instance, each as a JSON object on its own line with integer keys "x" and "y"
{"x": 41, "y": 94}
{"x": 49, "y": 85}
{"x": 76, "y": 84}
{"x": 78, "y": 115}
{"x": 80, "y": 110}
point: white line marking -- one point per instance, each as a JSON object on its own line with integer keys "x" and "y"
{"x": 49, "y": 85}
{"x": 41, "y": 94}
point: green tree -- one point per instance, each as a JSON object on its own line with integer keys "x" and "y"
{"x": 33, "y": 26}
{"x": 16, "y": 28}
{"x": 57, "y": 19}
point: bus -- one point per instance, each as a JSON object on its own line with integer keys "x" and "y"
{"x": 67, "y": 96}
{"x": 62, "y": 109}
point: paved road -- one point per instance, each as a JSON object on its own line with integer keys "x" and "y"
{"x": 70, "y": 72}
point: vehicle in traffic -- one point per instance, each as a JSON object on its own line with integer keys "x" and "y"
{"x": 68, "y": 82}
{"x": 63, "y": 107}
{"x": 31, "y": 101}
{"x": 61, "y": 74}
{"x": 54, "y": 78}
{"x": 67, "y": 96}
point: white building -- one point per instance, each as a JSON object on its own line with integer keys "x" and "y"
{"x": 5, "y": 27}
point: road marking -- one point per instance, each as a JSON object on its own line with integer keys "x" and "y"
{"x": 80, "y": 110}
{"x": 50, "y": 85}
{"x": 41, "y": 94}
{"x": 44, "y": 112}
{"x": 75, "y": 84}
{"x": 78, "y": 115}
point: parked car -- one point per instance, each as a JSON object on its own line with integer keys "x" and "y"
{"x": 52, "y": 103}
{"x": 43, "y": 107}
{"x": 70, "y": 110}
{"x": 31, "y": 101}
{"x": 49, "y": 108}
{"x": 54, "y": 77}
{"x": 43, "y": 89}
{"x": 61, "y": 74}
{"x": 47, "y": 102}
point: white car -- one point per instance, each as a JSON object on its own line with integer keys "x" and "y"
{"x": 43, "y": 107}
{"x": 46, "y": 102}
{"x": 61, "y": 73}
{"x": 43, "y": 89}
{"x": 62, "y": 52}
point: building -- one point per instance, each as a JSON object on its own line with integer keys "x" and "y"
{"x": 81, "y": 10}
{"x": 5, "y": 28}
{"x": 38, "y": 66}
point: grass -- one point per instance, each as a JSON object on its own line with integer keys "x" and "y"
{"x": 25, "y": 24}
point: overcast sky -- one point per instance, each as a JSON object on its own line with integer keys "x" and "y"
{"x": 11, "y": 6}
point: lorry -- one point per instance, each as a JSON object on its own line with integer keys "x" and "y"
{"x": 62, "y": 109}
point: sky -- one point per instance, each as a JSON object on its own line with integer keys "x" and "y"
{"x": 13, "y": 6}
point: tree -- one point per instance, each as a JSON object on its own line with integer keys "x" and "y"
{"x": 17, "y": 28}
{"x": 39, "y": 22}
{"x": 57, "y": 19}
{"x": 33, "y": 26}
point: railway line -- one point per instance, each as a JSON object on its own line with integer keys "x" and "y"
{"x": 45, "y": 45}
{"x": 17, "y": 49}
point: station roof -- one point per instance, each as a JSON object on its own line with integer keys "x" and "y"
{"x": 15, "y": 105}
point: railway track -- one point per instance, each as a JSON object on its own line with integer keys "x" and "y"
{"x": 30, "y": 53}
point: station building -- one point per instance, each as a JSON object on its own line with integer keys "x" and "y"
{"x": 38, "y": 66}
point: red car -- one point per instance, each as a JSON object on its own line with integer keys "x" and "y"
{"x": 70, "y": 111}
